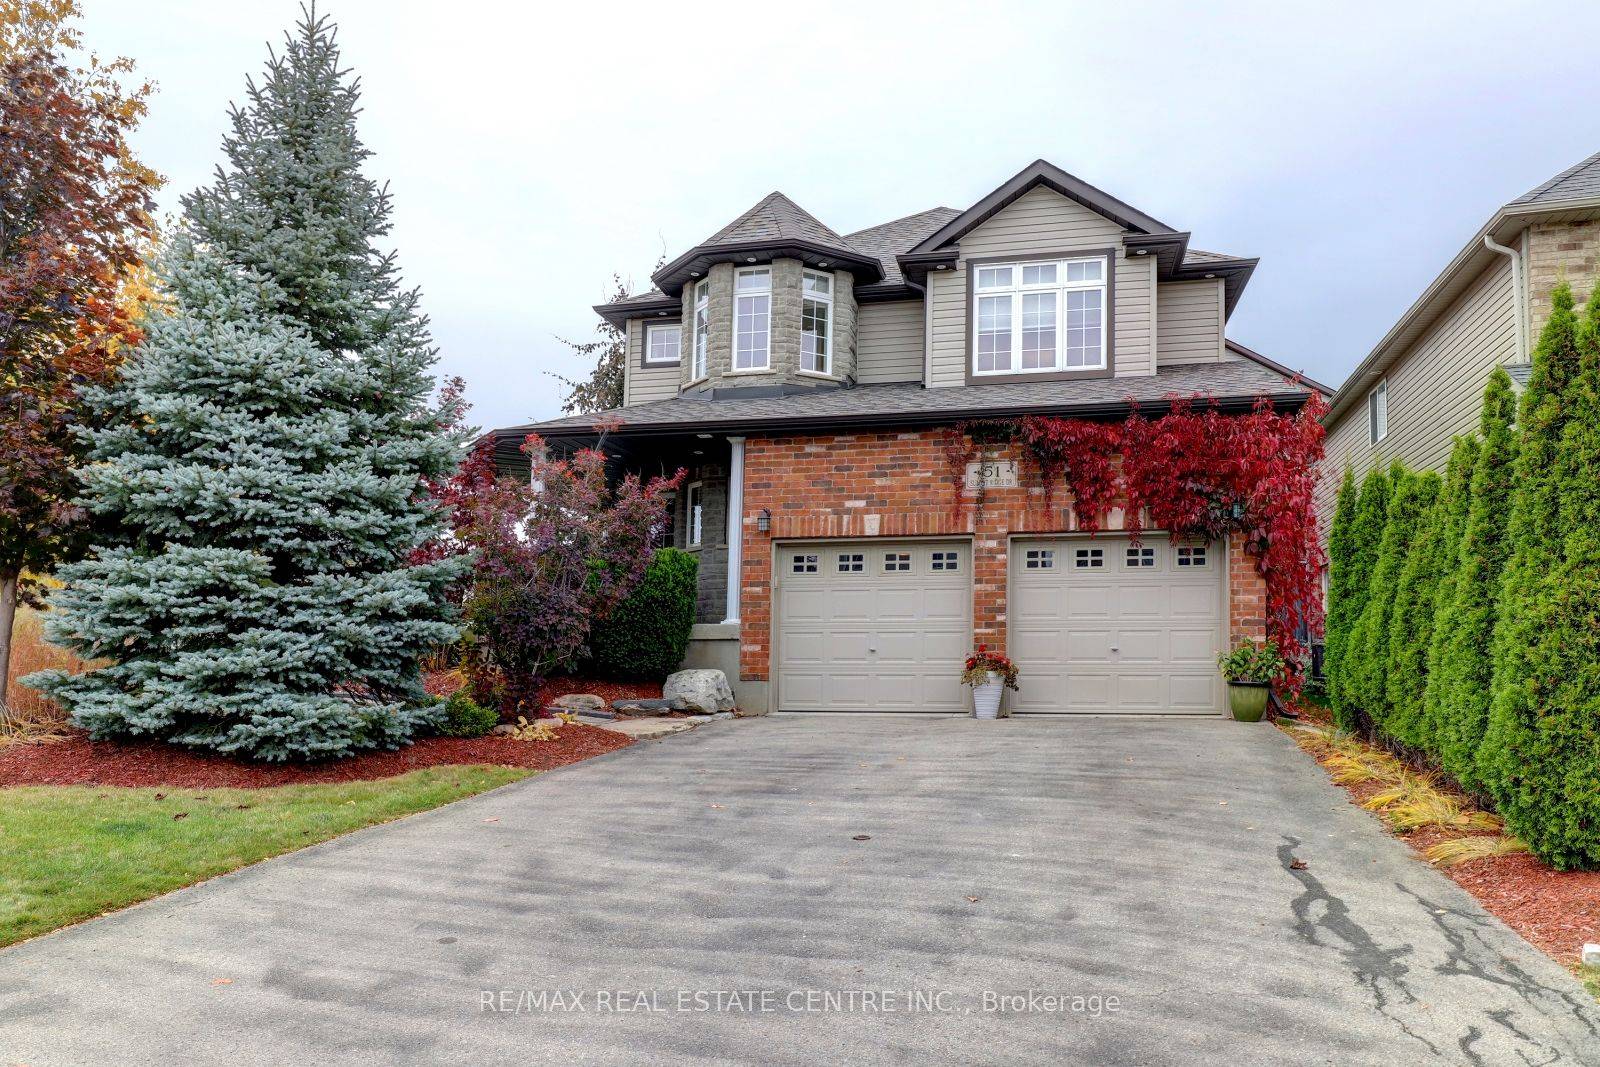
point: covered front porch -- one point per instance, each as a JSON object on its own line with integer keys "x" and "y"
{"x": 703, "y": 519}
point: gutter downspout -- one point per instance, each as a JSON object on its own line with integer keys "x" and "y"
{"x": 927, "y": 333}
{"x": 1520, "y": 309}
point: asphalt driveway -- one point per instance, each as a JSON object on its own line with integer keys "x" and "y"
{"x": 827, "y": 890}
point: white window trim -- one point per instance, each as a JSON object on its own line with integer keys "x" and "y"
{"x": 694, "y": 532}
{"x": 702, "y": 331}
{"x": 733, "y": 352}
{"x": 652, "y": 327}
{"x": 1379, "y": 397}
{"x": 825, "y": 299}
{"x": 1016, "y": 290}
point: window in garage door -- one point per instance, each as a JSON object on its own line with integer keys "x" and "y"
{"x": 872, "y": 626}
{"x": 1110, "y": 626}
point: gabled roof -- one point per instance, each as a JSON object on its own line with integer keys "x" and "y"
{"x": 1571, "y": 196}
{"x": 775, "y": 226}
{"x": 1040, "y": 172}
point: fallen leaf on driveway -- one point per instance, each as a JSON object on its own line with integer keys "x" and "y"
{"x": 494, "y": 819}
{"x": 222, "y": 981}
{"x": 1298, "y": 865}
{"x": 718, "y": 806}
{"x": 972, "y": 900}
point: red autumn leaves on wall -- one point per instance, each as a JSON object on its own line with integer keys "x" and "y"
{"x": 1194, "y": 471}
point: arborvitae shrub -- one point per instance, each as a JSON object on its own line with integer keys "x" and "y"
{"x": 1366, "y": 532}
{"x": 1462, "y": 666}
{"x": 646, "y": 636}
{"x": 1409, "y": 499}
{"x": 1541, "y": 753}
{"x": 1415, "y": 598}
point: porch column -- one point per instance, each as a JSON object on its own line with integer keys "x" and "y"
{"x": 735, "y": 525}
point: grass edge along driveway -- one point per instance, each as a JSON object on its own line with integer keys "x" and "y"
{"x": 70, "y": 853}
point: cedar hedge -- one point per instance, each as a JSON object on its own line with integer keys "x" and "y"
{"x": 646, "y": 636}
{"x": 1464, "y": 613}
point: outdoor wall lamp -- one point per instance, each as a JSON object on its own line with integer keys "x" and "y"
{"x": 764, "y": 521}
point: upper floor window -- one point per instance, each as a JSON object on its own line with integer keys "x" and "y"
{"x": 661, "y": 343}
{"x": 816, "y": 323}
{"x": 752, "y": 318}
{"x": 1041, "y": 316}
{"x": 702, "y": 329}
{"x": 1378, "y": 412}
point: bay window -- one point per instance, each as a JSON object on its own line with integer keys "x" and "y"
{"x": 752, "y": 315}
{"x": 702, "y": 330}
{"x": 1038, "y": 317}
{"x": 816, "y": 323}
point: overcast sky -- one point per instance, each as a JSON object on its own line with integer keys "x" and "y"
{"x": 535, "y": 148}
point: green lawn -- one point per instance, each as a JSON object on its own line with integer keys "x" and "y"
{"x": 1591, "y": 980}
{"x": 73, "y": 852}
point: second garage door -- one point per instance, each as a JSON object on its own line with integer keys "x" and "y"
{"x": 1103, "y": 625}
{"x": 872, "y": 625}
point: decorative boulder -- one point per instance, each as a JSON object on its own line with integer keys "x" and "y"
{"x": 703, "y": 690}
{"x": 579, "y": 702}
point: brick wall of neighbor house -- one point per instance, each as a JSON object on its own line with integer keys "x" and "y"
{"x": 1559, "y": 250}
{"x": 899, "y": 485}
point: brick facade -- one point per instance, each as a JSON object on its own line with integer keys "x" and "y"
{"x": 1558, "y": 250}
{"x": 900, "y": 485}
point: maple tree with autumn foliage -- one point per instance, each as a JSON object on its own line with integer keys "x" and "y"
{"x": 75, "y": 219}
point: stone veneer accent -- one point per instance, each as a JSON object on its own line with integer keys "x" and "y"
{"x": 711, "y": 592}
{"x": 784, "y": 353}
{"x": 898, "y": 485}
{"x": 1557, "y": 250}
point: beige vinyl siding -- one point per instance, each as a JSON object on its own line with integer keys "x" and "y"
{"x": 643, "y": 384}
{"x": 1189, "y": 322}
{"x": 1131, "y": 328}
{"x": 1039, "y": 221}
{"x": 1435, "y": 389}
{"x": 947, "y": 295}
{"x": 889, "y": 342}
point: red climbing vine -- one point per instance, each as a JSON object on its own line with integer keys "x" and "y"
{"x": 1195, "y": 472}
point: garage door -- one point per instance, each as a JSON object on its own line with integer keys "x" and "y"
{"x": 1103, "y": 625}
{"x": 872, "y": 626}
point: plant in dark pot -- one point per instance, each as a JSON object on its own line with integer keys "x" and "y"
{"x": 1249, "y": 670}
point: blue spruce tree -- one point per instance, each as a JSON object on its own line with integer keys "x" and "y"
{"x": 262, "y": 479}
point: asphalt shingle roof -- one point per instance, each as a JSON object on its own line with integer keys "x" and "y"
{"x": 889, "y": 239}
{"x": 1233, "y": 380}
{"x": 775, "y": 218}
{"x": 1580, "y": 180}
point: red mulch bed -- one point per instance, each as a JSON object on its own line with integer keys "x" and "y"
{"x": 1555, "y": 911}
{"x": 443, "y": 683}
{"x": 79, "y": 761}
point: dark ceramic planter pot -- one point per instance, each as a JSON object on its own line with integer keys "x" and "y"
{"x": 1248, "y": 700}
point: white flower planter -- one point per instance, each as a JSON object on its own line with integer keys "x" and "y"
{"x": 986, "y": 697}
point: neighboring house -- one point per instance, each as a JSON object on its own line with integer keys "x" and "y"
{"x": 808, "y": 381}
{"x": 1423, "y": 384}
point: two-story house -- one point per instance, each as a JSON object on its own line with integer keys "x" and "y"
{"x": 1423, "y": 383}
{"x": 808, "y": 380}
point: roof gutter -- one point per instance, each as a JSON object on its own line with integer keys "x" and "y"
{"x": 1519, "y": 308}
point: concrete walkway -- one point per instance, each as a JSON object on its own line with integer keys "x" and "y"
{"x": 829, "y": 868}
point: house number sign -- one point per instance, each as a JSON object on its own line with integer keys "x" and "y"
{"x": 994, "y": 473}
